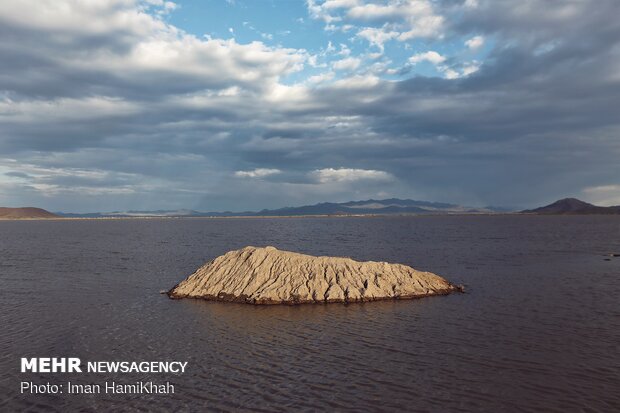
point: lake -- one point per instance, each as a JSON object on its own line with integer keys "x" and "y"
{"x": 538, "y": 328}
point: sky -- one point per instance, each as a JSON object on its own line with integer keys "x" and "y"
{"x": 243, "y": 105}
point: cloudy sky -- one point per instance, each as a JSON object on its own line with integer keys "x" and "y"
{"x": 239, "y": 104}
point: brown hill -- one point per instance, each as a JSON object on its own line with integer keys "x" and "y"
{"x": 25, "y": 213}
{"x": 270, "y": 276}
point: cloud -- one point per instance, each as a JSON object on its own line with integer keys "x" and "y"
{"x": 605, "y": 195}
{"x": 125, "y": 50}
{"x": 135, "y": 113}
{"x": 409, "y": 19}
{"x": 450, "y": 72}
{"x": 372, "y": 11}
{"x": 348, "y": 63}
{"x": 55, "y": 182}
{"x": 321, "y": 78}
{"x": 257, "y": 173}
{"x": 320, "y": 12}
{"x": 328, "y": 175}
{"x": 166, "y": 7}
{"x": 430, "y": 56}
{"x": 377, "y": 36}
{"x": 17, "y": 174}
{"x": 475, "y": 42}
{"x": 339, "y": 4}
{"x": 469, "y": 68}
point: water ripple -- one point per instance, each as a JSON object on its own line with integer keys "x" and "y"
{"x": 538, "y": 329}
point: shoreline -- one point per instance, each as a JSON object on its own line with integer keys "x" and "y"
{"x": 294, "y": 216}
{"x": 253, "y": 216}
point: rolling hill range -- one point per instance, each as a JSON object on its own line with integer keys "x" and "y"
{"x": 391, "y": 206}
{"x": 372, "y": 206}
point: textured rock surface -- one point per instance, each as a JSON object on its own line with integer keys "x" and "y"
{"x": 270, "y": 276}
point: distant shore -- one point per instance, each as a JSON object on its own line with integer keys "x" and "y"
{"x": 368, "y": 208}
{"x": 119, "y": 218}
{"x": 257, "y": 216}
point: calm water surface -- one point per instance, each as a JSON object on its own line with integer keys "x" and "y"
{"x": 538, "y": 329}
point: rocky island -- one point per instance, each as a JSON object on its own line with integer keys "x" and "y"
{"x": 270, "y": 276}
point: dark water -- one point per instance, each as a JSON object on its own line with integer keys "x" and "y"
{"x": 538, "y": 330}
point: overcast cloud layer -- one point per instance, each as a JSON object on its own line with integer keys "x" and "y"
{"x": 106, "y": 105}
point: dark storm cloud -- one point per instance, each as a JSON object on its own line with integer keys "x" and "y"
{"x": 106, "y": 111}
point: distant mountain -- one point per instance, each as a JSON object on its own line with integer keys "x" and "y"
{"x": 25, "y": 213}
{"x": 374, "y": 206}
{"x": 573, "y": 206}
{"x": 159, "y": 213}
{"x": 391, "y": 206}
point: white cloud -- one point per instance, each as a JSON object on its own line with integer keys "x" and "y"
{"x": 377, "y": 37}
{"x": 418, "y": 19}
{"x": 319, "y": 12}
{"x": 344, "y": 50}
{"x": 362, "y": 83}
{"x": 321, "y": 78}
{"x": 140, "y": 48}
{"x": 430, "y": 56}
{"x": 475, "y": 42}
{"x": 425, "y": 26}
{"x": 295, "y": 94}
{"x": 163, "y": 7}
{"x": 372, "y": 11}
{"x": 66, "y": 109}
{"x": 604, "y": 195}
{"x": 339, "y": 4}
{"x": 451, "y": 74}
{"x": 463, "y": 70}
{"x": 470, "y": 68}
{"x": 471, "y": 4}
{"x": 257, "y": 173}
{"x": 411, "y": 19}
{"x": 349, "y": 63}
{"x": 84, "y": 181}
{"x": 329, "y": 175}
